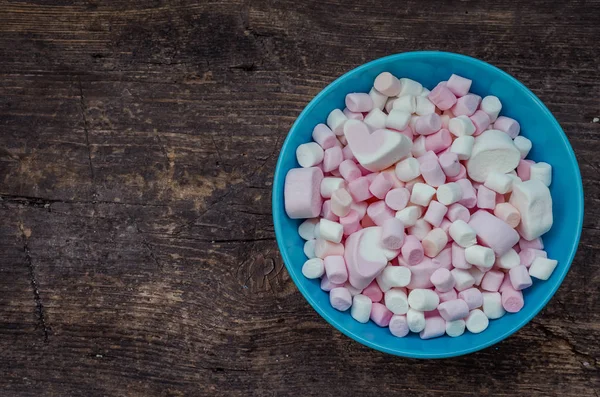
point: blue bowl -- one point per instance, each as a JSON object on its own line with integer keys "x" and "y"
{"x": 549, "y": 144}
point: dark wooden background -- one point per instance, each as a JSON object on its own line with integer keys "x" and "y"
{"x": 137, "y": 146}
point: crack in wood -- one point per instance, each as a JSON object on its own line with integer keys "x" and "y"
{"x": 87, "y": 134}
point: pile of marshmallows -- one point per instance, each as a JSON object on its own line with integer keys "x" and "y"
{"x": 422, "y": 213}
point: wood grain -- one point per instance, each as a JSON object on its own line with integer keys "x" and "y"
{"x": 137, "y": 147}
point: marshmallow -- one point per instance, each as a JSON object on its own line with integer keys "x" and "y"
{"x": 381, "y": 185}
{"x": 358, "y": 188}
{"x": 324, "y": 136}
{"x": 455, "y": 328}
{"x": 507, "y": 213}
{"x": 466, "y": 105}
{"x": 492, "y": 280}
{"x": 519, "y": 278}
{"x": 387, "y": 84}
{"x": 392, "y": 236}
{"x": 432, "y": 172}
{"x": 438, "y": 141}
{"x": 332, "y": 158}
{"x": 301, "y": 192}
{"x": 453, "y": 310}
{"x": 442, "y": 97}
{"x": 459, "y": 85}
{"x": 445, "y": 120}
{"x": 472, "y": 296}
{"x": 415, "y": 320}
{"x": 405, "y": 103}
{"x": 352, "y": 115}
{"x": 418, "y": 148}
{"x": 329, "y": 185}
{"x": 378, "y": 98}
{"x": 477, "y": 321}
{"x": 462, "y": 174}
{"x": 309, "y": 154}
{"x": 486, "y": 198}
{"x": 408, "y": 169}
{"x": 428, "y": 124}
{"x": 462, "y": 147}
{"x": 424, "y": 92}
{"x": 442, "y": 280}
{"x": 335, "y": 268}
{"x": 359, "y": 102}
{"x": 512, "y": 300}
{"x": 399, "y": 326}
{"x": 498, "y": 182}
{"x": 381, "y": 315}
{"x": 435, "y": 213}
{"x": 469, "y": 195}
{"x": 420, "y": 229}
{"x": 458, "y": 211}
{"x": 412, "y": 250}
{"x": 324, "y": 248}
{"x": 379, "y": 212}
{"x": 348, "y": 155}
{"x": 533, "y": 201}
{"x": 397, "y": 199}
{"x": 509, "y": 260}
{"x": 423, "y": 299}
{"x": 340, "y": 202}
{"x": 493, "y": 150}
{"x": 327, "y": 285}
{"x": 365, "y": 257}
{"x": 523, "y": 144}
{"x": 313, "y": 268}
{"x": 434, "y": 242}
{"x": 409, "y": 215}
{"x": 434, "y": 327}
{"x": 528, "y": 255}
{"x": 508, "y": 125}
{"x": 491, "y": 106}
{"x": 449, "y": 193}
{"x": 542, "y": 172}
{"x": 479, "y": 255}
{"x": 524, "y": 169}
{"x": 421, "y": 194}
{"x": 336, "y": 121}
{"x": 373, "y": 292}
{"x": 340, "y": 299}
{"x": 396, "y": 301}
{"x": 410, "y": 87}
{"x": 542, "y": 268}
{"x": 317, "y": 231}
{"x": 350, "y": 222}
{"x": 375, "y": 119}
{"x": 492, "y": 305}
{"x": 424, "y": 106}
{"x": 327, "y": 213}
{"x": 477, "y": 274}
{"x": 349, "y": 171}
{"x": 397, "y": 119}
{"x": 389, "y": 104}
{"x": 458, "y": 257}
{"x": 462, "y": 233}
{"x": 309, "y": 248}
{"x": 392, "y": 277}
{"x": 481, "y": 121}
{"x": 360, "y": 208}
{"x": 461, "y": 126}
{"x": 462, "y": 278}
{"x": 361, "y": 308}
{"x": 493, "y": 232}
{"x": 331, "y": 231}
{"x": 306, "y": 230}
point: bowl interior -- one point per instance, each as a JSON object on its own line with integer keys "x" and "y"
{"x": 549, "y": 144}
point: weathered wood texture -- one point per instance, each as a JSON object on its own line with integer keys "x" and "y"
{"x": 137, "y": 146}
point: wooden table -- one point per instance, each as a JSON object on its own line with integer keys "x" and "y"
{"x": 138, "y": 141}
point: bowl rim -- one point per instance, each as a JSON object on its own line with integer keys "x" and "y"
{"x": 278, "y": 187}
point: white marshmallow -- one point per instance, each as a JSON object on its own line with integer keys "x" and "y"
{"x": 449, "y": 193}
{"x": 509, "y": 260}
{"x": 455, "y": 328}
{"x": 405, "y": 103}
{"x": 424, "y": 92}
{"x": 477, "y": 321}
{"x": 415, "y": 320}
{"x": 424, "y": 106}
{"x": 409, "y": 215}
{"x": 479, "y": 255}
{"x": 336, "y": 121}
{"x": 306, "y": 230}
{"x": 461, "y": 125}
{"x": 408, "y": 169}
{"x": 361, "y": 308}
{"x": 396, "y": 301}
{"x": 422, "y": 194}
{"x": 309, "y": 248}
{"x": 462, "y": 278}
{"x": 492, "y": 305}
{"x": 533, "y": 201}
{"x": 309, "y": 154}
{"x": 410, "y": 87}
{"x": 418, "y": 149}
{"x": 463, "y": 146}
{"x": 330, "y": 184}
{"x": 542, "y": 268}
{"x": 491, "y": 106}
{"x": 462, "y": 233}
{"x": 389, "y": 104}
{"x": 493, "y": 151}
{"x": 434, "y": 242}
{"x": 397, "y": 119}
{"x": 542, "y": 172}
{"x": 420, "y": 229}
{"x": 378, "y": 98}
{"x": 331, "y": 231}
{"x": 393, "y": 276}
{"x": 498, "y": 182}
{"x": 515, "y": 179}
{"x": 523, "y": 144}
{"x": 477, "y": 275}
{"x": 375, "y": 119}
{"x": 423, "y": 299}
{"x": 313, "y": 268}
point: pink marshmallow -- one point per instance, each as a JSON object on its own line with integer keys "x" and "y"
{"x": 399, "y": 326}
{"x": 442, "y": 280}
{"x": 327, "y": 285}
{"x": 537, "y": 244}
{"x": 528, "y": 255}
{"x": 350, "y": 222}
{"x": 462, "y": 174}
{"x": 352, "y": 115}
{"x": 349, "y": 171}
{"x": 458, "y": 257}
{"x": 492, "y": 280}
{"x": 519, "y": 278}
{"x": 493, "y": 232}
{"x": 432, "y": 173}
{"x": 380, "y": 185}
{"x": 421, "y": 274}
{"x": 481, "y": 121}
{"x": 327, "y": 213}
{"x": 359, "y": 102}
{"x": 427, "y": 156}
{"x": 512, "y": 300}
{"x": 443, "y": 260}
{"x": 428, "y": 124}
{"x": 340, "y": 298}
{"x": 458, "y": 85}
{"x": 524, "y": 169}
{"x": 486, "y": 198}
{"x": 434, "y": 327}
{"x": 435, "y": 213}
{"x": 508, "y": 125}
{"x": 359, "y": 189}
{"x": 450, "y": 164}
{"x": 472, "y": 296}
{"x": 392, "y": 235}
{"x": 442, "y": 97}
{"x": 458, "y": 211}
{"x": 381, "y": 315}
{"x": 324, "y": 136}
{"x": 469, "y": 198}
{"x": 412, "y": 250}
{"x": 438, "y": 141}
{"x": 302, "y": 192}
{"x": 371, "y": 177}
{"x": 387, "y": 84}
{"x": 466, "y": 105}
{"x": 447, "y": 296}
{"x": 348, "y": 155}
{"x": 379, "y": 212}
{"x": 373, "y": 292}
{"x": 398, "y": 198}
{"x": 335, "y": 269}
{"x": 332, "y": 159}
{"x": 453, "y": 310}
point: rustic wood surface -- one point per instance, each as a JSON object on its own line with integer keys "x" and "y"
{"x": 138, "y": 141}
